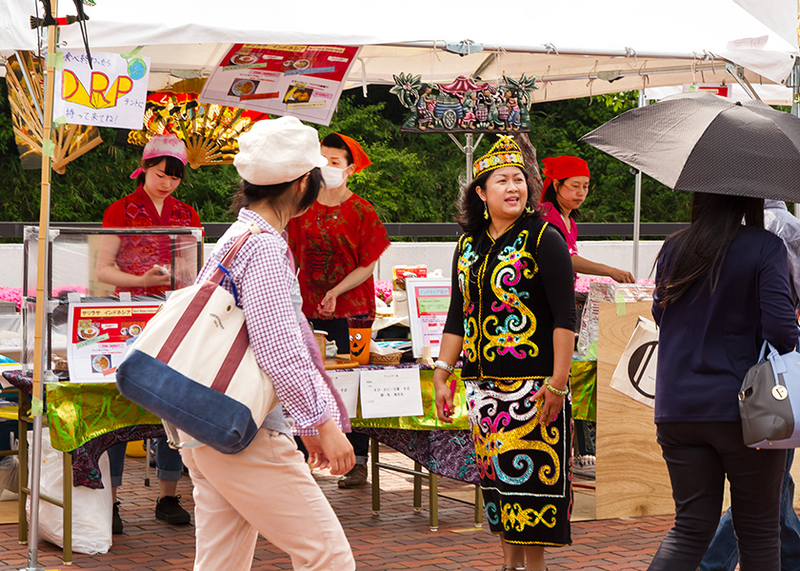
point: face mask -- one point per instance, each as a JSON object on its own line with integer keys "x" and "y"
{"x": 333, "y": 177}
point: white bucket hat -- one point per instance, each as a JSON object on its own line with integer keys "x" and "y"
{"x": 278, "y": 150}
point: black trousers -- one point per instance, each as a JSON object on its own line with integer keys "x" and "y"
{"x": 699, "y": 456}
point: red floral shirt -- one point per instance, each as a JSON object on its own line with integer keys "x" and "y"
{"x": 329, "y": 242}
{"x": 137, "y": 254}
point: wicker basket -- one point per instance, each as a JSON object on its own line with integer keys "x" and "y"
{"x": 381, "y": 359}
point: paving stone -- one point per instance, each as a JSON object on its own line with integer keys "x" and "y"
{"x": 398, "y": 538}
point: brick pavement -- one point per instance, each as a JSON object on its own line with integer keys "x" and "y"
{"x": 398, "y": 538}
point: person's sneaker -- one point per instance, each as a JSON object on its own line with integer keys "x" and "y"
{"x": 169, "y": 510}
{"x": 116, "y": 521}
{"x": 355, "y": 477}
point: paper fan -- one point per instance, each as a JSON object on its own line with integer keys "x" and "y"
{"x": 26, "y": 95}
{"x": 210, "y": 131}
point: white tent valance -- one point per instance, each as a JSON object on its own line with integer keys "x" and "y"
{"x": 576, "y": 47}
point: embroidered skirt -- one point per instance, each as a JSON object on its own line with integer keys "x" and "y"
{"x": 525, "y": 472}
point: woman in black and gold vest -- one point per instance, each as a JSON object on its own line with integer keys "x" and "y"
{"x": 513, "y": 314}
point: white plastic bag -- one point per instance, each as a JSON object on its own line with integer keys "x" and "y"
{"x": 91, "y": 509}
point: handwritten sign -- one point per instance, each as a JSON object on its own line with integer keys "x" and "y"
{"x": 346, "y": 383}
{"x": 110, "y": 94}
{"x": 387, "y": 393}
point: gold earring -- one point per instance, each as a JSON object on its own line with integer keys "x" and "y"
{"x": 485, "y": 212}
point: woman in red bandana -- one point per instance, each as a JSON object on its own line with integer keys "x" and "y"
{"x": 336, "y": 243}
{"x": 565, "y": 188}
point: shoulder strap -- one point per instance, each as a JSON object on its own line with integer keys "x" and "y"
{"x": 222, "y": 268}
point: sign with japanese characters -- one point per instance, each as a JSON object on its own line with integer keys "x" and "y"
{"x": 300, "y": 80}
{"x": 387, "y": 393}
{"x": 428, "y": 302}
{"x": 99, "y": 336}
{"x": 112, "y": 93}
{"x": 346, "y": 384}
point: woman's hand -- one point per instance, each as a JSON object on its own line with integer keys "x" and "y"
{"x": 551, "y": 404}
{"x": 621, "y": 276}
{"x": 336, "y": 448}
{"x": 328, "y": 304}
{"x": 155, "y": 276}
{"x": 444, "y": 396}
{"x": 316, "y": 454}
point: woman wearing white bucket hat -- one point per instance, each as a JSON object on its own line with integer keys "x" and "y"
{"x": 267, "y": 488}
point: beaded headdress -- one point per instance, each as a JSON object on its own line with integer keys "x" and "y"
{"x": 504, "y": 153}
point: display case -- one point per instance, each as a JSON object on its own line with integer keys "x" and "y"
{"x": 72, "y": 274}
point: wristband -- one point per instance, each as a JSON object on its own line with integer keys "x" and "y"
{"x": 444, "y": 366}
{"x": 554, "y": 390}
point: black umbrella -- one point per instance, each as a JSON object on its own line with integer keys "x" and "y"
{"x": 702, "y": 142}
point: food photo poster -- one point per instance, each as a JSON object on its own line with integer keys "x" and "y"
{"x": 303, "y": 81}
{"x": 100, "y": 335}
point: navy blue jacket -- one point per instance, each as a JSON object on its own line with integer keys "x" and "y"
{"x": 707, "y": 343}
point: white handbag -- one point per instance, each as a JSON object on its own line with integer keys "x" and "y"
{"x": 193, "y": 366}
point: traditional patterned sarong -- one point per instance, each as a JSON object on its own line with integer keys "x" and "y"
{"x": 525, "y": 472}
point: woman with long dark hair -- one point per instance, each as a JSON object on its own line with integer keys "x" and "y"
{"x": 512, "y": 311}
{"x": 721, "y": 289}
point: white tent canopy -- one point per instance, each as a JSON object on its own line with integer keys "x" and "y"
{"x": 576, "y": 47}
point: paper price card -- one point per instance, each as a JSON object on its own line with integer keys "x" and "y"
{"x": 346, "y": 383}
{"x": 387, "y": 393}
{"x": 100, "y": 335}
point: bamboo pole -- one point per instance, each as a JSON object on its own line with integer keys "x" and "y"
{"x": 40, "y": 360}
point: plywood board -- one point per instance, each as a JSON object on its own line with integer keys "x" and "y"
{"x": 632, "y": 477}
{"x": 9, "y": 512}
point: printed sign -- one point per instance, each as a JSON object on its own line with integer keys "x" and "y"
{"x": 715, "y": 88}
{"x": 346, "y": 383}
{"x": 100, "y": 335}
{"x": 428, "y": 302}
{"x": 301, "y": 80}
{"x": 387, "y": 393}
{"x": 111, "y": 93}
{"x": 635, "y": 375}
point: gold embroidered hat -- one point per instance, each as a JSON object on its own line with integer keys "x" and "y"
{"x": 504, "y": 153}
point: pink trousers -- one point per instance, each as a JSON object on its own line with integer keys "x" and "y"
{"x": 266, "y": 489}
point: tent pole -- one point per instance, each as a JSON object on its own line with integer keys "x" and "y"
{"x": 41, "y": 356}
{"x": 470, "y": 152}
{"x": 794, "y": 81}
{"x": 637, "y": 207}
{"x": 468, "y": 148}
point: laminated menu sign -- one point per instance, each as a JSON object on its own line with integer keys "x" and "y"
{"x": 100, "y": 335}
{"x": 389, "y": 392}
{"x": 300, "y": 80}
{"x": 428, "y": 302}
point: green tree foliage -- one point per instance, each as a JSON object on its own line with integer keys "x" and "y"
{"x": 414, "y": 177}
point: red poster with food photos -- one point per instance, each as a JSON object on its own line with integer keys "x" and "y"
{"x": 304, "y": 81}
{"x": 100, "y": 335}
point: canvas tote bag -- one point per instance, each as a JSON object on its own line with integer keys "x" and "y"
{"x": 193, "y": 366}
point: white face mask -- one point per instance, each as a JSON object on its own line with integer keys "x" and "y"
{"x": 333, "y": 177}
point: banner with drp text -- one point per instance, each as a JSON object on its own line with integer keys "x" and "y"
{"x": 112, "y": 93}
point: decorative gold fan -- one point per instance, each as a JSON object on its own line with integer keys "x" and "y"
{"x": 25, "y": 93}
{"x": 210, "y": 131}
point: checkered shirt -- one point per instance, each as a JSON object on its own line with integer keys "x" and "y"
{"x": 262, "y": 273}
